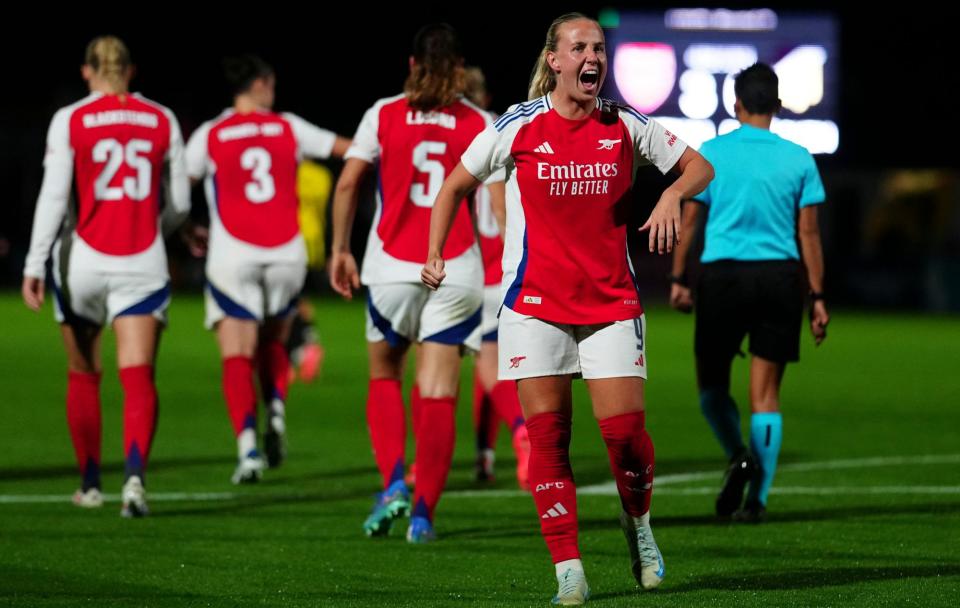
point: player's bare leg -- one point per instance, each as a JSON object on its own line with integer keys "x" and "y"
{"x": 138, "y": 338}
{"x": 386, "y": 421}
{"x": 438, "y": 379}
{"x": 237, "y": 339}
{"x": 274, "y": 367}
{"x": 766, "y": 435}
{"x": 82, "y": 343}
{"x": 618, "y": 405}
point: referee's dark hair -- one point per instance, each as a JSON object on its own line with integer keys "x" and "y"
{"x": 757, "y": 89}
{"x": 242, "y": 70}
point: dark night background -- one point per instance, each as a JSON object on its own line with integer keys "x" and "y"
{"x": 897, "y": 96}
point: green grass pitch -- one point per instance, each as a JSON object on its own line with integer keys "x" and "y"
{"x": 866, "y": 509}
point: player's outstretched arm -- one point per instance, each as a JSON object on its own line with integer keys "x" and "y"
{"x": 681, "y": 297}
{"x": 457, "y": 185}
{"x": 344, "y": 276}
{"x": 664, "y": 222}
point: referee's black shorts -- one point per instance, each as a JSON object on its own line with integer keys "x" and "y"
{"x": 761, "y": 299}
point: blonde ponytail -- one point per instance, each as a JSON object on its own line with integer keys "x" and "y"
{"x": 110, "y": 60}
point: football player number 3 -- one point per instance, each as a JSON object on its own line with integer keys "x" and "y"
{"x": 258, "y": 161}
{"x": 115, "y": 154}
{"x": 424, "y": 196}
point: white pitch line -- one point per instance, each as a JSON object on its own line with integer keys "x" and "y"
{"x": 610, "y": 488}
{"x": 823, "y": 490}
{"x": 14, "y": 499}
{"x": 880, "y": 461}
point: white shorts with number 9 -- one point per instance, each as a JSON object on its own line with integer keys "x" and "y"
{"x": 530, "y": 347}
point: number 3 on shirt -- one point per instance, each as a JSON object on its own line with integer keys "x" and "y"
{"x": 262, "y": 188}
{"x": 425, "y": 196}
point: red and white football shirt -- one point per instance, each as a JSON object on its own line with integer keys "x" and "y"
{"x": 112, "y": 151}
{"x": 416, "y": 151}
{"x": 569, "y": 181}
{"x": 250, "y": 163}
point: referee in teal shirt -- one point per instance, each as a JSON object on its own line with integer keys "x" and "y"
{"x": 762, "y": 202}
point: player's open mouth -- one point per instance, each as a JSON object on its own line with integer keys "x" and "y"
{"x": 589, "y": 78}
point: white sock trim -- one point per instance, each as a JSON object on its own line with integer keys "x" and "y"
{"x": 642, "y": 521}
{"x": 246, "y": 441}
{"x": 568, "y": 564}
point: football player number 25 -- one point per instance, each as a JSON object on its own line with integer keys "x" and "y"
{"x": 424, "y": 196}
{"x": 115, "y": 154}
{"x": 261, "y": 188}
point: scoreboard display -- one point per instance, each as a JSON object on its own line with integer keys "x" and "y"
{"x": 679, "y": 66}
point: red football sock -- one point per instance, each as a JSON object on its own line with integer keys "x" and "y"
{"x": 139, "y": 416}
{"x": 631, "y": 460}
{"x": 386, "y": 420}
{"x": 239, "y": 392}
{"x": 435, "y": 439}
{"x": 551, "y": 479}
{"x": 507, "y": 403}
{"x": 415, "y": 408}
{"x": 274, "y": 367}
{"x": 485, "y": 420}
{"x": 83, "y": 419}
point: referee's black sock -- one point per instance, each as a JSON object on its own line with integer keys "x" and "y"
{"x": 721, "y": 413}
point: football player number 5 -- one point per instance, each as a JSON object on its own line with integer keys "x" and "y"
{"x": 258, "y": 161}
{"x": 424, "y": 196}
{"x": 114, "y": 154}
